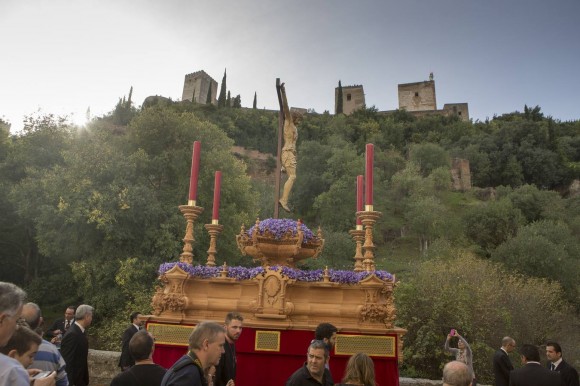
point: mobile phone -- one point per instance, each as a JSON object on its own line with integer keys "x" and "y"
{"x": 42, "y": 374}
{"x": 452, "y": 332}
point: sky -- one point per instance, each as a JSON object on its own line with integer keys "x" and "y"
{"x": 64, "y": 57}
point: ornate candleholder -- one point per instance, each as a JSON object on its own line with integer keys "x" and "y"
{"x": 224, "y": 271}
{"x": 358, "y": 235}
{"x": 214, "y": 229}
{"x": 190, "y": 213}
{"x": 325, "y": 276}
{"x": 369, "y": 218}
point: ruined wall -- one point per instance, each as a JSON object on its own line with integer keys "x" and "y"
{"x": 461, "y": 174}
{"x": 196, "y": 86}
{"x": 417, "y": 96}
{"x": 353, "y": 98}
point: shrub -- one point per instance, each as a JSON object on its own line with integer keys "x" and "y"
{"x": 483, "y": 302}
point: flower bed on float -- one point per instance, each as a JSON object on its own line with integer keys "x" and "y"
{"x": 247, "y": 273}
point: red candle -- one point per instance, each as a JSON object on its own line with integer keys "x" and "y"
{"x": 370, "y": 150}
{"x": 194, "y": 173}
{"x": 359, "y": 197}
{"x": 216, "y": 196}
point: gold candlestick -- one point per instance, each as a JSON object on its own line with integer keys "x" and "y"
{"x": 369, "y": 218}
{"x": 214, "y": 230}
{"x": 358, "y": 235}
{"x": 190, "y": 213}
{"x": 326, "y": 276}
{"x": 224, "y": 271}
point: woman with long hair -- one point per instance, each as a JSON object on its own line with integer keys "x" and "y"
{"x": 462, "y": 353}
{"x": 360, "y": 371}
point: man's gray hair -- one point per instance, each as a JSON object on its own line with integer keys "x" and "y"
{"x": 456, "y": 373}
{"x": 203, "y": 331}
{"x": 82, "y": 311}
{"x": 506, "y": 340}
{"x": 11, "y": 298}
{"x": 32, "y": 318}
{"x": 319, "y": 344}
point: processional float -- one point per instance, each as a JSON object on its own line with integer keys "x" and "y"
{"x": 281, "y": 304}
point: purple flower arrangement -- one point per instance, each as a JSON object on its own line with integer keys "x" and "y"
{"x": 243, "y": 273}
{"x": 281, "y": 227}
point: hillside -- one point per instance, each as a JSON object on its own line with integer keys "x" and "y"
{"x": 94, "y": 211}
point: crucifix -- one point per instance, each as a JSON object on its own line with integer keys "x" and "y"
{"x": 286, "y": 157}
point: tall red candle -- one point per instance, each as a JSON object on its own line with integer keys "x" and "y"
{"x": 195, "y": 156}
{"x": 370, "y": 151}
{"x": 216, "y": 196}
{"x": 359, "y": 197}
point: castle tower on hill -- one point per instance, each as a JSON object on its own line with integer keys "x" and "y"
{"x": 417, "y": 96}
{"x": 353, "y": 98}
{"x": 196, "y": 86}
{"x": 419, "y": 99}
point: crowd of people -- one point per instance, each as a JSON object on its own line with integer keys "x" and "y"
{"x": 61, "y": 359}
{"x": 557, "y": 373}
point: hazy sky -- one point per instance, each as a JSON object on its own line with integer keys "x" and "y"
{"x": 497, "y": 55}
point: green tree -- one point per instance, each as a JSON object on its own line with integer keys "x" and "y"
{"x": 222, "y": 96}
{"x": 237, "y": 102}
{"x": 29, "y": 155}
{"x": 426, "y": 218}
{"x": 429, "y": 156}
{"x": 124, "y": 110}
{"x": 114, "y": 197}
{"x": 489, "y": 224}
{"x": 545, "y": 249}
{"x": 255, "y": 103}
{"x": 339, "y": 101}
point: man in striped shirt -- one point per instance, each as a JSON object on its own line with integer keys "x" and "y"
{"x": 48, "y": 357}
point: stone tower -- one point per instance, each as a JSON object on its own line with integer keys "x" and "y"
{"x": 353, "y": 98}
{"x": 419, "y": 96}
{"x": 196, "y": 85}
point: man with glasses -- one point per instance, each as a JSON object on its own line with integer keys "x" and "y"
{"x": 502, "y": 365}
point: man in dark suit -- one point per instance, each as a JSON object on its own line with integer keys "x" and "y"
{"x": 225, "y": 373}
{"x": 557, "y": 363}
{"x": 126, "y": 360}
{"x": 75, "y": 347}
{"x": 533, "y": 373}
{"x": 502, "y": 365}
{"x": 60, "y": 326}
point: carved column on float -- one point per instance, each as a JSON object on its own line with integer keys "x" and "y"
{"x": 191, "y": 213}
{"x": 214, "y": 230}
{"x": 358, "y": 235}
{"x": 369, "y": 218}
{"x": 379, "y": 304}
{"x": 170, "y": 299}
{"x": 272, "y": 302}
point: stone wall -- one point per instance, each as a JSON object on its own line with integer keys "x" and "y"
{"x": 461, "y": 174}
{"x": 103, "y": 366}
